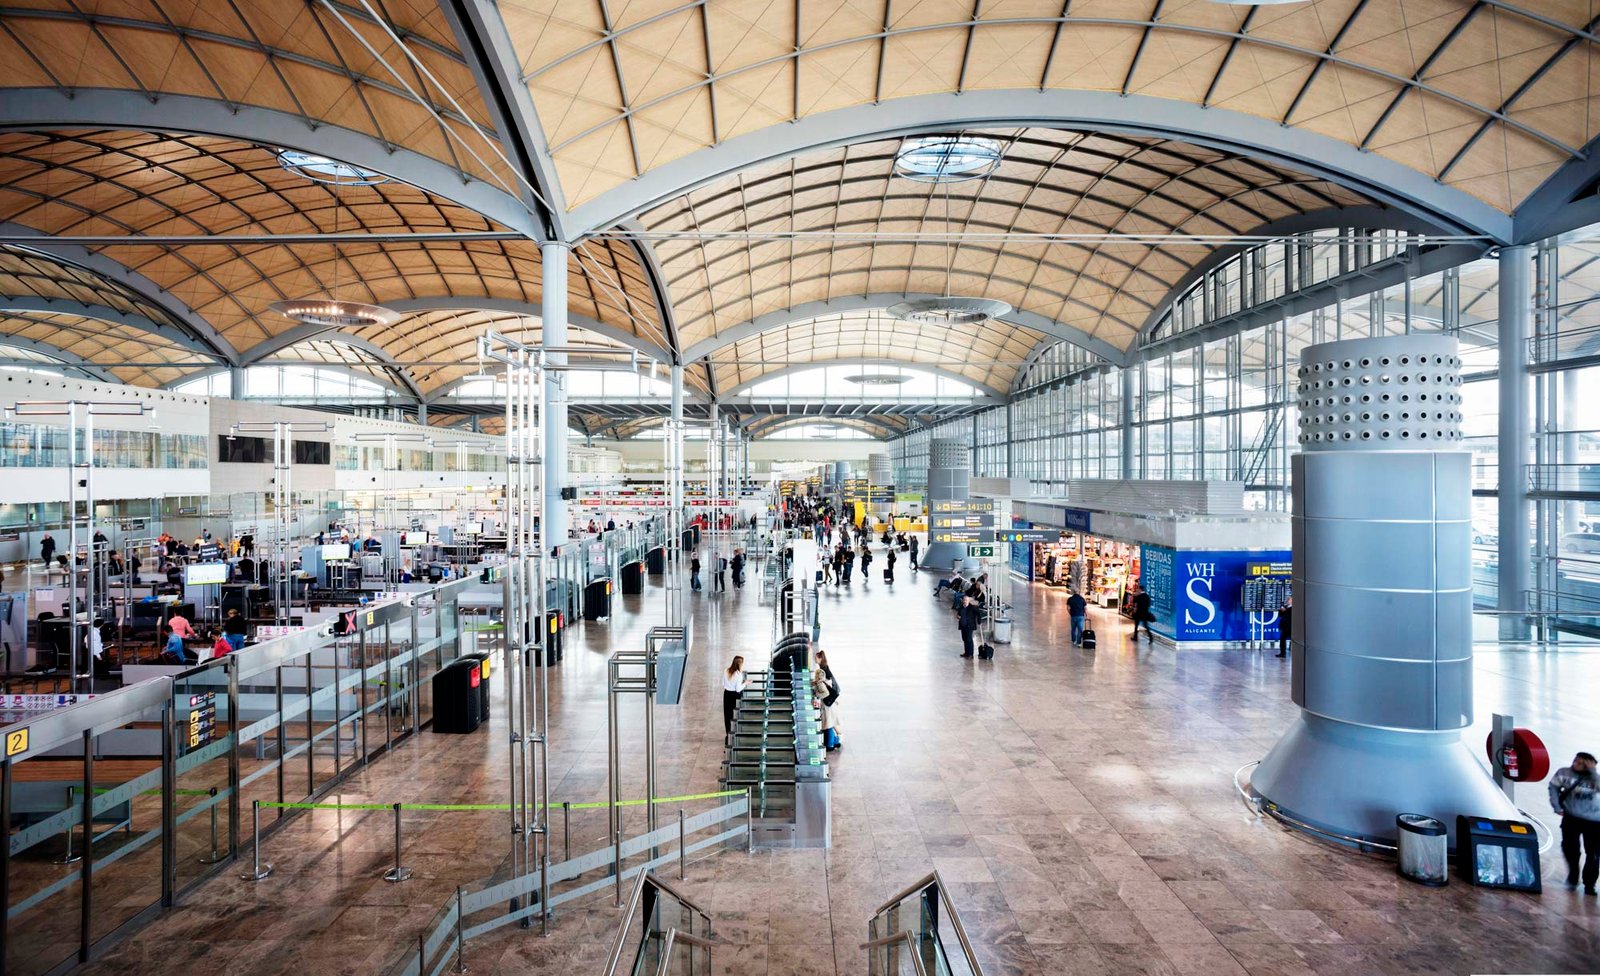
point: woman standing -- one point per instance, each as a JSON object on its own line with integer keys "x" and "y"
{"x": 825, "y": 688}
{"x": 734, "y": 682}
{"x": 888, "y": 569}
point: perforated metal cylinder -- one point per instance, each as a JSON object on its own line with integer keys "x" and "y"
{"x": 880, "y": 469}
{"x": 1382, "y": 536}
{"x": 949, "y": 479}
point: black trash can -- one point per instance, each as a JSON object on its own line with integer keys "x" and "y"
{"x": 691, "y": 540}
{"x": 484, "y": 667}
{"x": 633, "y": 577}
{"x": 456, "y": 699}
{"x": 597, "y": 599}
{"x": 552, "y": 636}
{"x": 694, "y": 534}
{"x": 656, "y": 561}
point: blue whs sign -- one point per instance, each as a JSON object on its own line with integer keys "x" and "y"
{"x": 1205, "y": 590}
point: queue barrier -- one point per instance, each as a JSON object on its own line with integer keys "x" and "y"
{"x": 445, "y": 938}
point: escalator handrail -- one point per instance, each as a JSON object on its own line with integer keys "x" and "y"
{"x": 911, "y": 948}
{"x": 673, "y": 938}
{"x": 937, "y": 884}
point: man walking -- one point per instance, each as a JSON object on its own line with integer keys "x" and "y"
{"x": 1141, "y": 613}
{"x": 914, "y": 545}
{"x": 722, "y": 573}
{"x": 1077, "y": 609}
{"x": 738, "y": 569}
{"x": 1575, "y": 794}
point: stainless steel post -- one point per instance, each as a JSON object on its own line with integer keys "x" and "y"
{"x": 215, "y": 855}
{"x": 397, "y": 873}
{"x": 258, "y": 871}
{"x": 544, "y": 896}
{"x": 749, "y": 821}
{"x": 461, "y": 942}
{"x": 682, "y": 866}
{"x": 94, "y": 555}
{"x": 566, "y": 830}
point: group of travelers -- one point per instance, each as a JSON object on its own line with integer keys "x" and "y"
{"x": 721, "y": 566}
{"x": 824, "y": 696}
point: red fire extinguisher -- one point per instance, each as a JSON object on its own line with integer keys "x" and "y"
{"x": 1508, "y": 760}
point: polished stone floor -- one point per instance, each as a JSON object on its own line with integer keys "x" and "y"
{"x": 1080, "y": 804}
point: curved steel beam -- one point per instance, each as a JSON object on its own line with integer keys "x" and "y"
{"x": 515, "y": 307}
{"x": 48, "y": 108}
{"x": 991, "y": 394}
{"x": 1565, "y": 201}
{"x": 857, "y": 303}
{"x": 34, "y": 305}
{"x": 142, "y": 288}
{"x": 71, "y": 363}
{"x": 481, "y": 31}
{"x": 870, "y": 425}
{"x": 1381, "y": 179}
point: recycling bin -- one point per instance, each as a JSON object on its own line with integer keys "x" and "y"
{"x": 633, "y": 578}
{"x": 655, "y": 560}
{"x": 485, "y": 665}
{"x": 555, "y": 625}
{"x": 456, "y": 699}
{"x": 597, "y": 599}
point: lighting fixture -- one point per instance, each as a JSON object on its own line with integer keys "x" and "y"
{"x": 334, "y": 313}
{"x": 949, "y": 310}
{"x": 878, "y": 379}
{"x": 324, "y": 170}
{"x": 947, "y": 159}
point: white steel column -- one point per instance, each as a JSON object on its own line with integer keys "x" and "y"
{"x": 553, "y": 332}
{"x": 1516, "y": 434}
{"x": 675, "y": 556}
{"x": 1125, "y": 421}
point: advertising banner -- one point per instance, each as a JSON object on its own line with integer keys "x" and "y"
{"x": 1156, "y": 576}
{"x": 1021, "y": 552}
{"x": 1208, "y": 590}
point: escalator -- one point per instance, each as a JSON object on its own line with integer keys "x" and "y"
{"x": 661, "y": 933}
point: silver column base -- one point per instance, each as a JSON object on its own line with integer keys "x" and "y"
{"x": 1352, "y": 780}
{"x": 938, "y": 556}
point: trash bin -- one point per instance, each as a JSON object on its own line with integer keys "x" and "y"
{"x": 691, "y": 540}
{"x": 555, "y": 624}
{"x": 597, "y": 599}
{"x": 656, "y": 560}
{"x": 485, "y": 666}
{"x": 1423, "y": 847}
{"x": 456, "y": 699}
{"x": 633, "y": 577}
{"x": 1002, "y": 630}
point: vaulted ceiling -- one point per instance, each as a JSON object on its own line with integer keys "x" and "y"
{"x": 726, "y": 167}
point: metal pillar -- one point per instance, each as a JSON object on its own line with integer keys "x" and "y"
{"x": 675, "y": 557}
{"x": 1125, "y": 421}
{"x": 553, "y": 335}
{"x": 1516, "y": 434}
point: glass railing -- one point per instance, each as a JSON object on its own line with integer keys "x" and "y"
{"x": 918, "y": 931}
{"x": 1576, "y": 629}
{"x": 666, "y": 933}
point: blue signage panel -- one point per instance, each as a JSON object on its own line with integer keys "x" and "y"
{"x": 1076, "y": 519}
{"x": 1156, "y": 576}
{"x": 1021, "y": 552}
{"x": 1208, "y": 590}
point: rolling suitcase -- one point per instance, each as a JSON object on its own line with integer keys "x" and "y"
{"x": 986, "y": 651}
{"x": 1087, "y": 642}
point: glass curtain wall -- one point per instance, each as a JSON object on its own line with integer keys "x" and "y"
{"x": 1220, "y": 406}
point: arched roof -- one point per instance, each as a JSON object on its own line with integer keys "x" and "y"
{"x": 642, "y": 128}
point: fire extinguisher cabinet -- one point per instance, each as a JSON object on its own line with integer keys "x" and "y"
{"x": 1422, "y": 844}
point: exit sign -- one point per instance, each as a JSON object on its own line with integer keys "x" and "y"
{"x": 980, "y": 552}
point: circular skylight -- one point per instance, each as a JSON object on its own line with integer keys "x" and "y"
{"x": 946, "y": 159}
{"x": 878, "y": 379}
{"x": 325, "y": 170}
{"x": 949, "y": 311}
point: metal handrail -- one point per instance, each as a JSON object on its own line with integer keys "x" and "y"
{"x": 614, "y": 957}
{"x": 933, "y": 880}
{"x": 672, "y": 939}
{"x": 911, "y": 950}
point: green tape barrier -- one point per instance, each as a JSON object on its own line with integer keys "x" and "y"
{"x": 470, "y": 807}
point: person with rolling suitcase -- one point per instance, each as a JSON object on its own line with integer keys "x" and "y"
{"x": 1078, "y": 610}
{"x": 866, "y": 563}
{"x": 888, "y": 569}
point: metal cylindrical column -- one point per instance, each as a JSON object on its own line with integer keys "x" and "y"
{"x": 1382, "y": 588}
{"x": 1125, "y": 421}
{"x": 553, "y": 332}
{"x": 949, "y": 478}
{"x": 1516, "y": 436}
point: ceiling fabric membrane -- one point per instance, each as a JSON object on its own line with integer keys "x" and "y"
{"x": 870, "y": 229}
{"x": 1490, "y": 98}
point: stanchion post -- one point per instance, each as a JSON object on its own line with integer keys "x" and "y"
{"x": 258, "y": 871}
{"x": 566, "y": 830}
{"x": 215, "y": 855}
{"x": 749, "y": 822}
{"x": 544, "y": 896}
{"x": 461, "y": 942}
{"x": 682, "y": 867}
{"x": 397, "y": 873}
{"x": 616, "y": 865}
{"x": 69, "y": 857}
